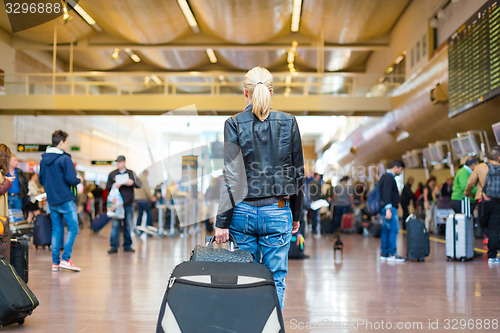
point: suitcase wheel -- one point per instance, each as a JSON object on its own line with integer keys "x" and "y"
{"x": 447, "y": 258}
{"x": 20, "y": 322}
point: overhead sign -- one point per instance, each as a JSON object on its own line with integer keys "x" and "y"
{"x": 31, "y": 148}
{"x": 103, "y": 162}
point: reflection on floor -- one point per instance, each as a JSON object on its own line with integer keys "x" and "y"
{"x": 123, "y": 292}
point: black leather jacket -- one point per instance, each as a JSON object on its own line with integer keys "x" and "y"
{"x": 261, "y": 159}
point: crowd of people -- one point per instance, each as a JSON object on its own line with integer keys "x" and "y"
{"x": 263, "y": 214}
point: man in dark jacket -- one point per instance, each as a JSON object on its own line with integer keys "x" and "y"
{"x": 407, "y": 196}
{"x": 58, "y": 176}
{"x": 125, "y": 180}
{"x": 19, "y": 189}
{"x": 390, "y": 201}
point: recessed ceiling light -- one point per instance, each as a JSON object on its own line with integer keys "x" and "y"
{"x": 188, "y": 14}
{"x": 296, "y": 11}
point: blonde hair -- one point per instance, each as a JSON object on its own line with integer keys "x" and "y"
{"x": 259, "y": 82}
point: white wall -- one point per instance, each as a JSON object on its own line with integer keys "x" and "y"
{"x": 7, "y": 53}
{"x": 455, "y": 15}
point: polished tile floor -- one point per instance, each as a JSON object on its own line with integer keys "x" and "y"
{"x": 123, "y": 292}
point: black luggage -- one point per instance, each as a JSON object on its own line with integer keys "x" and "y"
{"x": 296, "y": 246}
{"x": 19, "y": 258}
{"x": 417, "y": 239}
{"x": 212, "y": 297}
{"x": 42, "y": 231}
{"x": 17, "y": 301}
{"x": 326, "y": 226}
{"x": 376, "y": 230}
{"x": 100, "y": 222}
{"x": 4, "y": 238}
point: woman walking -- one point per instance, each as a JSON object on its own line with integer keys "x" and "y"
{"x": 262, "y": 190}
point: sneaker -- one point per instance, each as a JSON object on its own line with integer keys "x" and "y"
{"x": 55, "y": 268}
{"x": 129, "y": 249}
{"x": 493, "y": 261}
{"x": 69, "y": 265}
{"x": 112, "y": 250}
{"x": 396, "y": 258}
{"x": 383, "y": 257}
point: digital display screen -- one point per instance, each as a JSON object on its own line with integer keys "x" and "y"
{"x": 496, "y": 131}
{"x": 406, "y": 161}
{"x": 457, "y": 147}
{"x": 468, "y": 144}
{"x": 474, "y": 59}
{"x": 427, "y": 154}
{"x": 435, "y": 154}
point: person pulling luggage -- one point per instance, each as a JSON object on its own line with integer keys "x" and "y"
{"x": 262, "y": 191}
{"x": 487, "y": 176}
{"x": 390, "y": 201}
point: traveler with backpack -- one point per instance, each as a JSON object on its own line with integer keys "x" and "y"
{"x": 487, "y": 176}
{"x": 460, "y": 183}
{"x": 389, "y": 198}
{"x": 59, "y": 178}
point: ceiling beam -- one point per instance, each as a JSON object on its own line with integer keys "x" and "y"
{"x": 19, "y": 43}
{"x": 150, "y": 103}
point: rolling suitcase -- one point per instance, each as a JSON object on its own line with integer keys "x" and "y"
{"x": 42, "y": 231}
{"x": 19, "y": 258}
{"x": 217, "y": 296}
{"x": 100, "y": 222}
{"x": 347, "y": 222}
{"x": 326, "y": 226}
{"x": 376, "y": 230}
{"x": 417, "y": 239}
{"x": 460, "y": 234}
{"x": 17, "y": 301}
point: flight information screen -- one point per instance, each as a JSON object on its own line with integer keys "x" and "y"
{"x": 474, "y": 59}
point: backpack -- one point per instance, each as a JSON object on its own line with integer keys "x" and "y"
{"x": 492, "y": 184}
{"x": 374, "y": 202}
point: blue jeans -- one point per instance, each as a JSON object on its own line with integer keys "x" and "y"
{"x": 266, "y": 232}
{"x": 115, "y": 229}
{"x": 389, "y": 235}
{"x": 15, "y": 202}
{"x": 338, "y": 212}
{"x": 143, "y": 206}
{"x": 66, "y": 211}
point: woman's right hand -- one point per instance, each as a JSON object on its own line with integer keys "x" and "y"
{"x": 295, "y": 227}
{"x": 11, "y": 178}
{"x": 221, "y": 235}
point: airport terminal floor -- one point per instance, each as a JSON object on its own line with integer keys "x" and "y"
{"x": 123, "y": 292}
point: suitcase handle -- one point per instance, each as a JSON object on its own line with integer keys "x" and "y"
{"x": 209, "y": 241}
{"x": 466, "y": 206}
